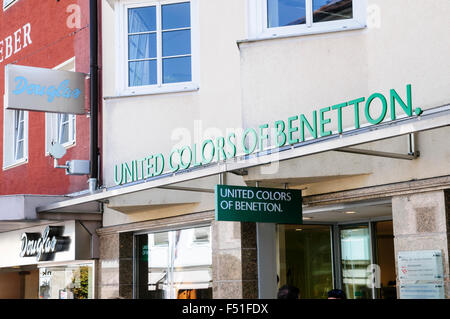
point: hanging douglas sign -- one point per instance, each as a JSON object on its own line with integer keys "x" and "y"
{"x": 44, "y": 90}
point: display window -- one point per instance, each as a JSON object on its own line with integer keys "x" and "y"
{"x": 75, "y": 281}
{"x": 174, "y": 264}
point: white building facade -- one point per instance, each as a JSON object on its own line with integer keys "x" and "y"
{"x": 346, "y": 100}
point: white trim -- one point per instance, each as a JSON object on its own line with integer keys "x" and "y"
{"x": 8, "y": 3}
{"x": 51, "y": 119}
{"x": 9, "y": 139}
{"x": 122, "y": 88}
{"x": 258, "y": 30}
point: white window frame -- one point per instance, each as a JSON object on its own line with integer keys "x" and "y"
{"x": 7, "y": 3}
{"x": 10, "y": 141}
{"x": 19, "y": 125}
{"x": 257, "y": 26}
{"x": 123, "y": 89}
{"x": 53, "y": 125}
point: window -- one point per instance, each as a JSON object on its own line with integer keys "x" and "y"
{"x": 15, "y": 138}
{"x": 272, "y": 18}
{"x": 73, "y": 281}
{"x": 174, "y": 264}
{"x": 7, "y": 3}
{"x": 158, "y": 50}
{"x": 61, "y": 127}
{"x": 19, "y": 134}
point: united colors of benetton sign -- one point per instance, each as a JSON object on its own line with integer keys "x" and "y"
{"x": 44, "y": 90}
{"x": 282, "y": 132}
{"x": 257, "y": 204}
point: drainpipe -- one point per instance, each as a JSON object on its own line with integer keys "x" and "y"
{"x": 93, "y": 32}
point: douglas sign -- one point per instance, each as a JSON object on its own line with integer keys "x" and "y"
{"x": 45, "y": 90}
{"x": 45, "y": 245}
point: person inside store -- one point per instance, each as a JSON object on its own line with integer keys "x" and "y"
{"x": 288, "y": 292}
{"x": 336, "y": 294}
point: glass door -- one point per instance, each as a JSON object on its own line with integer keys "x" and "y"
{"x": 356, "y": 259}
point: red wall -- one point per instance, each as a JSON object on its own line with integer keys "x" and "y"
{"x": 53, "y": 42}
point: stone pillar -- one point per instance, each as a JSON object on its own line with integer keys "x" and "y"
{"x": 235, "y": 269}
{"x": 115, "y": 269}
{"x": 421, "y": 222}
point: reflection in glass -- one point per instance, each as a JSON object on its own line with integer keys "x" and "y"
{"x": 386, "y": 259}
{"x": 176, "y": 42}
{"x": 305, "y": 259}
{"x": 141, "y": 19}
{"x": 175, "y": 264}
{"x": 177, "y": 69}
{"x": 142, "y": 73}
{"x": 66, "y": 282}
{"x": 285, "y": 12}
{"x": 331, "y": 10}
{"x": 355, "y": 255}
{"x": 142, "y": 46}
{"x": 175, "y": 16}
{"x": 19, "y": 133}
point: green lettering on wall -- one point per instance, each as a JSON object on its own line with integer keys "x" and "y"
{"x": 207, "y": 158}
{"x": 356, "y": 109}
{"x": 312, "y": 129}
{"x": 339, "y": 107}
{"x": 184, "y": 149}
{"x": 220, "y": 141}
{"x": 279, "y": 127}
{"x": 232, "y": 144}
{"x": 173, "y": 168}
{"x": 407, "y": 107}
{"x": 159, "y": 164}
{"x": 292, "y": 129}
{"x": 324, "y": 121}
{"x": 383, "y": 112}
{"x": 262, "y": 137}
{"x": 116, "y": 180}
{"x": 253, "y": 145}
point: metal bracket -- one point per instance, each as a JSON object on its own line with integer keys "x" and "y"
{"x": 56, "y": 165}
{"x": 412, "y": 152}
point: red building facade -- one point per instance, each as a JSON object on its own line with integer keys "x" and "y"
{"x": 55, "y": 33}
{"x": 46, "y": 256}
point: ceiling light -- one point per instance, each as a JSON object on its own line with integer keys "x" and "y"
{"x": 350, "y": 212}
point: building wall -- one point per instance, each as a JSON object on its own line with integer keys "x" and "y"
{"x": 290, "y": 76}
{"x": 247, "y": 83}
{"x": 59, "y": 31}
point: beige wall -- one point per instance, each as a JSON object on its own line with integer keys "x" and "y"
{"x": 257, "y": 82}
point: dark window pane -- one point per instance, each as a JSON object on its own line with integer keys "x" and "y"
{"x": 176, "y": 16}
{"x": 176, "y": 42}
{"x": 142, "y": 46}
{"x": 285, "y": 12}
{"x": 141, "y": 19}
{"x": 331, "y": 10}
{"x": 177, "y": 70}
{"x": 142, "y": 73}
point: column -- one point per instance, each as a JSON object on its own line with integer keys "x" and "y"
{"x": 235, "y": 272}
{"x": 421, "y": 222}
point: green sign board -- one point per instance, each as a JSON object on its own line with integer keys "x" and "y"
{"x": 257, "y": 204}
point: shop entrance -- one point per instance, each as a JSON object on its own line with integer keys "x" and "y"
{"x": 357, "y": 258}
